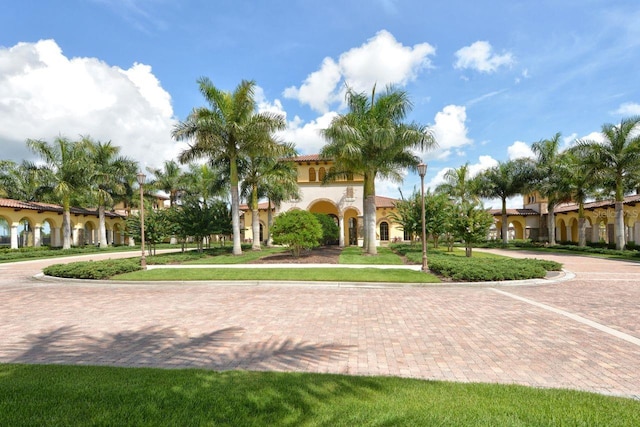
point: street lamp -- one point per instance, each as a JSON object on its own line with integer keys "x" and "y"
{"x": 422, "y": 171}
{"x": 143, "y": 260}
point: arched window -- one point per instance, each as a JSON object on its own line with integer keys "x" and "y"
{"x": 407, "y": 235}
{"x": 321, "y": 174}
{"x": 312, "y": 175}
{"x": 384, "y": 231}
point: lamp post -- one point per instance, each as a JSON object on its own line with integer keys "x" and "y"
{"x": 422, "y": 171}
{"x": 143, "y": 260}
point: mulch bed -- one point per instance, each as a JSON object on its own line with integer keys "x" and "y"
{"x": 321, "y": 255}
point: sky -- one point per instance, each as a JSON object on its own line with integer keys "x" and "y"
{"x": 488, "y": 77}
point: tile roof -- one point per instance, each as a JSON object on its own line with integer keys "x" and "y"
{"x": 309, "y": 158}
{"x": 514, "y": 212}
{"x": 570, "y": 207}
{"x": 49, "y": 207}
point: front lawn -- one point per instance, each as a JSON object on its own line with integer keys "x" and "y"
{"x": 89, "y": 395}
{"x": 293, "y": 273}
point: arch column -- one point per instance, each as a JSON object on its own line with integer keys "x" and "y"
{"x": 569, "y": 233}
{"x": 595, "y": 232}
{"x": 341, "y": 227}
{"x": 37, "y": 240}
{"x": 14, "y": 236}
{"x": 55, "y": 237}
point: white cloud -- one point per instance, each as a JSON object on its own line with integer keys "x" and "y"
{"x": 628, "y": 109}
{"x": 382, "y": 60}
{"x": 44, "y": 94}
{"x": 520, "y": 150}
{"x": 480, "y": 56}
{"x": 484, "y": 163}
{"x": 450, "y": 130}
{"x": 307, "y": 136}
{"x": 593, "y": 136}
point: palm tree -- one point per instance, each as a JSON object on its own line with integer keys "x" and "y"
{"x": 579, "y": 180}
{"x": 617, "y": 159}
{"x": 20, "y": 182}
{"x": 206, "y": 182}
{"x": 226, "y": 132}
{"x": 503, "y": 181}
{"x": 549, "y": 182}
{"x": 168, "y": 179}
{"x": 371, "y": 140}
{"x": 280, "y": 184}
{"x": 65, "y": 164}
{"x": 108, "y": 176}
{"x": 459, "y": 185}
{"x": 259, "y": 165}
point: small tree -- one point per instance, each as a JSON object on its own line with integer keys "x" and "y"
{"x": 330, "y": 230}
{"x": 298, "y": 230}
{"x": 472, "y": 224}
{"x": 158, "y": 226}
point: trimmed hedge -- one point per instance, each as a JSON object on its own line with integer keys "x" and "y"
{"x": 490, "y": 269}
{"x": 93, "y": 269}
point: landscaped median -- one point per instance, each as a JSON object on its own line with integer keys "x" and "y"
{"x": 387, "y": 267}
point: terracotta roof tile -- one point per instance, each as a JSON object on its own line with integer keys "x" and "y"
{"x": 49, "y": 207}
{"x": 514, "y": 212}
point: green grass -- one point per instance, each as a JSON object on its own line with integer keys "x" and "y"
{"x": 355, "y": 255}
{"x": 283, "y": 274}
{"x": 227, "y": 257}
{"x": 85, "y": 395}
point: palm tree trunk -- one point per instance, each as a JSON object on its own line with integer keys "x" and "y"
{"x": 619, "y": 226}
{"x": 551, "y": 224}
{"x": 505, "y": 226}
{"x": 370, "y": 215}
{"x": 103, "y": 227}
{"x": 269, "y": 224}
{"x": 66, "y": 224}
{"x": 235, "y": 206}
{"x": 255, "y": 219}
{"x": 582, "y": 236}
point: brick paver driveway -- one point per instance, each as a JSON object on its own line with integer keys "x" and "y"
{"x": 580, "y": 334}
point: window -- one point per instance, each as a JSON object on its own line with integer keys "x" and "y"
{"x": 384, "y": 231}
{"x": 312, "y": 175}
{"x": 407, "y": 235}
{"x": 321, "y": 174}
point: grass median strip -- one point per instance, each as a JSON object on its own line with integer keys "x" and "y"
{"x": 283, "y": 274}
{"x": 90, "y": 395}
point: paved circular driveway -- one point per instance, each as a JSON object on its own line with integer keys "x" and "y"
{"x": 580, "y": 334}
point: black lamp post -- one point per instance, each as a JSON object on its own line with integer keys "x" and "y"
{"x": 143, "y": 260}
{"x": 422, "y": 171}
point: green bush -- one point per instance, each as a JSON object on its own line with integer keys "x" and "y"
{"x": 330, "y": 230}
{"x": 93, "y": 269}
{"x": 489, "y": 269}
{"x": 296, "y": 229}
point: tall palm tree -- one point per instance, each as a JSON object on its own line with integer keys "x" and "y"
{"x": 65, "y": 164}
{"x": 108, "y": 173}
{"x": 617, "y": 159}
{"x": 547, "y": 153}
{"x": 258, "y": 166}
{"x": 226, "y": 132}
{"x": 168, "y": 179}
{"x": 371, "y": 140}
{"x": 579, "y": 180}
{"x": 505, "y": 180}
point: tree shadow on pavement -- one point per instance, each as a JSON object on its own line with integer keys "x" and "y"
{"x": 172, "y": 348}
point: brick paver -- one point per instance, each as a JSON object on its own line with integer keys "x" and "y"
{"x": 457, "y": 333}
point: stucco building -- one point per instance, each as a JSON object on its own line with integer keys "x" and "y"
{"x": 341, "y": 199}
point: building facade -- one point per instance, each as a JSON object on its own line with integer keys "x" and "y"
{"x": 24, "y": 224}
{"x": 341, "y": 199}
{"x": 530, "y": 222}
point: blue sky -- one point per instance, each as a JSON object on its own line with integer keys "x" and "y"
{"x": 490, "y": 77}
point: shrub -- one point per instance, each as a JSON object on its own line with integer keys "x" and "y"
{"x": 330, "y": 230}
{"x": 296, "y": 229}
{"x": 489, "y": 269}
{"x": 93, "y": 269}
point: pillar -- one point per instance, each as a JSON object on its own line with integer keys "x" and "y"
{"x": 595, "y": 232}
{"x": 37, "y": 240}
{"x": 341, "y": 227}
{"x": 75, "y": 236}
{"x": 56, "y": 240}
{"x": 569, "y": 233}
{"x": 14, "y": 236}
